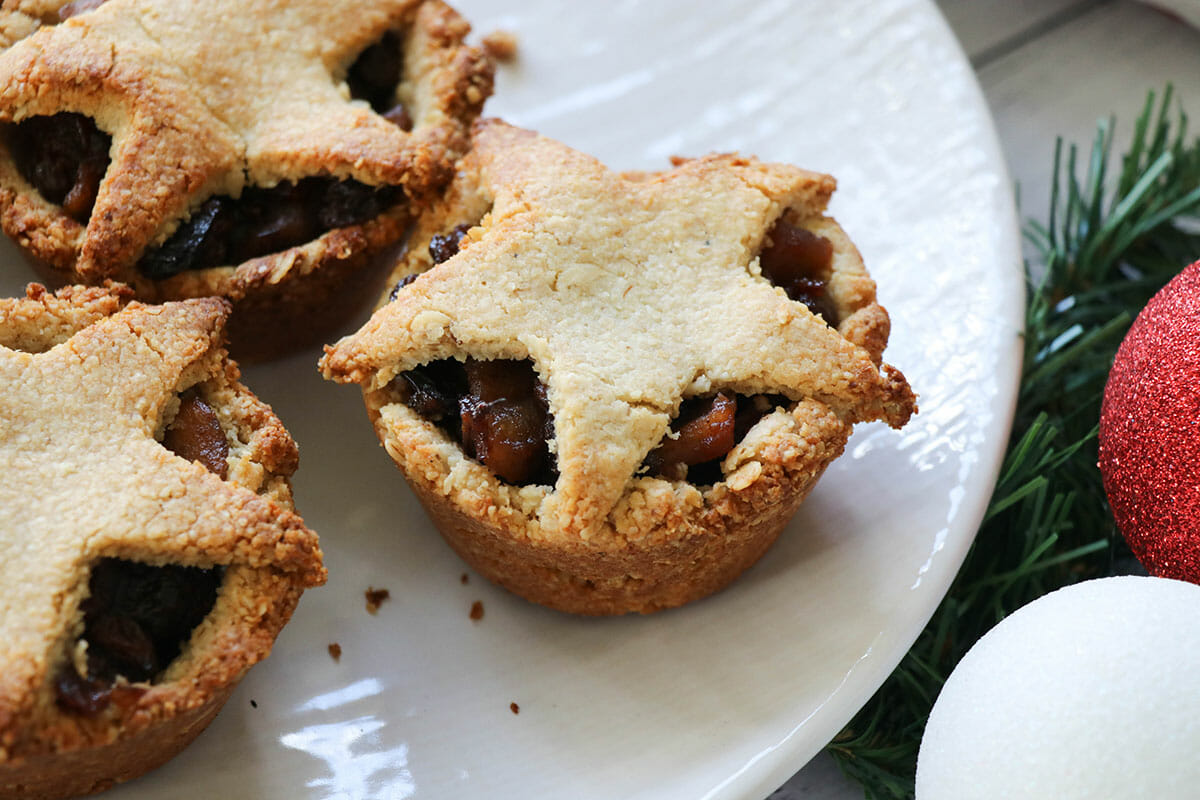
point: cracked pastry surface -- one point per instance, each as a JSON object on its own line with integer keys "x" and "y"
{"x": 113, "y": 478}
{"x": 628, "y": 294}
{"x": 334, "y": 116}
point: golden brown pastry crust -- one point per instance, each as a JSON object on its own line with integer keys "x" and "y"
{"x": 628, "y": 293}
{"x": 192, "y": 116}
{"x": 93, "y": 769}
{"x": 90, "y": 382}
{"x": 666, "y": 544}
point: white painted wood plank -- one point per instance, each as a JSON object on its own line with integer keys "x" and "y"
{"x": 1063, "y": 84}
{"x": 983, "y": 24}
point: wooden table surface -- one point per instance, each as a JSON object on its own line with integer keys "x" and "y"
{"x": 1051, "y": 68}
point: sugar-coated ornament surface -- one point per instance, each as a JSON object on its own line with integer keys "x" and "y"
{"x": 1150, "y": 432}
{"x": 1092, "y": 691}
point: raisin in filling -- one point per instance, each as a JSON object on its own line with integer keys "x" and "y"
{"x": 138, "y": 616}
{"x": 442, "y": 247}
{"x": 496, "y": 410}
{"x": 400, "y": 284}
{"x": 226, "y": 231}
{"x": 800, "y": 262}
{"x": 64, "y": 157}
{"x": 374, "y": 76}
{"x": 707, "y": 429}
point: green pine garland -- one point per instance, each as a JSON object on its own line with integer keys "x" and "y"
{"x": 1107, "y": 248}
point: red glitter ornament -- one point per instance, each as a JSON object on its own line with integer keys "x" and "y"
{"x": 1150, "y": 432}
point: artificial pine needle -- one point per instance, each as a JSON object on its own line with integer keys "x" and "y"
{"x": 1098, "y": 261}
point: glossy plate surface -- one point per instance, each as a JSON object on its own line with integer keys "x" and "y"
{"x": 726, "y": 698}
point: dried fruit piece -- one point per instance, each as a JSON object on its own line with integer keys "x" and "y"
{"x": 504, "y": 419}
{"x": 703, "y": 431}
{"x": 81, "y": 695}
{"x": 400, "y": 284}
{"x": 196, "y": 434}
{"x": 444, "y": 246}
{"x": 434, "y": 390}
{"x": 800, "y": 262}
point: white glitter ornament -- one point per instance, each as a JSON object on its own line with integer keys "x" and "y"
{"x": 1092, "y": 691}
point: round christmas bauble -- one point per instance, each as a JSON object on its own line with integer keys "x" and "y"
{"x": 1150, "y": 432}
{"x": 1091, "y": 691}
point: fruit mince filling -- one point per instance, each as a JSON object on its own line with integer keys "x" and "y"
{"x": 496, "y": 410}
{"x": 226, "y": 231}
{"x": 800, "y": 262}
{"x": 138, "y": 616}
{"x": 135, "y": 621}
{"x": 705, "y": 430}
{"x": 442, "y": 247}
{"x": 374, "y": 76}
{"x": 64, "y": 156}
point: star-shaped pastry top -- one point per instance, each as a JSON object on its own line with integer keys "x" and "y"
{"x": 202, "y": 99}
{"x": 85, "y": 479}
{"x": 628, "y": 293}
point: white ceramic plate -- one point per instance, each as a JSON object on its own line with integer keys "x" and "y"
{"x": 728, "y": 697}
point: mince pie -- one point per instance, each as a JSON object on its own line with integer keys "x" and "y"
{"x": 610, "y": 391}
{"x": 149, "y": 552}
{"x": 265, "y": 164}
